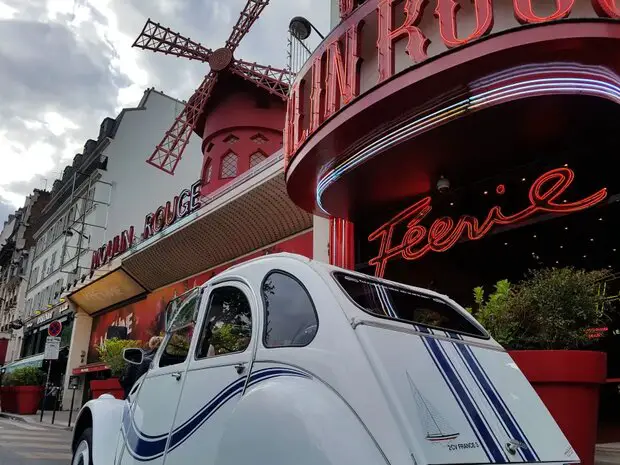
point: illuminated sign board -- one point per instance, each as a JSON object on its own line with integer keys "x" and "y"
{"x": 113, "y": 288}
{"x": 445, "y": 232}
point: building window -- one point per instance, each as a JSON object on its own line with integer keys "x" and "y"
{"x": 207, "y": 172}
{"x": 231, "y": 139}
{"x": 256, "y": 158}
{"x": 53, "y": 262}
{"x": 229, "y": 166}
{"x": 228, "y": 326}
{"x": 259, "y": 139}
{"x": 290, "y": 317}
{"x": 90, "y": 199}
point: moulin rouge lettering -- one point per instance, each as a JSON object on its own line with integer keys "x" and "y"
{"x": 334, "y": 74}
{"x": 187, "y": 202}
{"x": 118, "y": 245}
{"x": 444, "y": 232}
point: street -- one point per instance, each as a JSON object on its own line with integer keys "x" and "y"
{"x": 24, "y": 443}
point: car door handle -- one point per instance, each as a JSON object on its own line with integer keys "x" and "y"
{"x": 176, "y": 375}
{"x": 240, "y": 368}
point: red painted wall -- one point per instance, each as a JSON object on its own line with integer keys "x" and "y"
{"x": 145, "y": 318}
{"x": 242, "y": 123}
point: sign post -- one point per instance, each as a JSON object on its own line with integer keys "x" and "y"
{"x": 52, "y": 349}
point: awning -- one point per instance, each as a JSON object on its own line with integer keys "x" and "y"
{"x": 111, "y": 289}
{"x": 90, "y": 368}
{"x": 34, "y": 361}
{"x": 251, "y": 212}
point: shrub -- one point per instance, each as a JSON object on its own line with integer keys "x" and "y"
{"x": 551, "y": 309}
{"x": 24, "y": 376}
{"x": 111, "y": 353}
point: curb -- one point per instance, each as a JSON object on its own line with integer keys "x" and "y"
{"x": 12, "y": 417}
{"x": 9, "y": 416}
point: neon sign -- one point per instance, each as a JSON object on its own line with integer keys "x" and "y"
{"x": 330, "y": 80}
{"x": 444, "y": 232}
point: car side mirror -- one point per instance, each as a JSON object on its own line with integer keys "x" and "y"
{"x": 133, "y": 355}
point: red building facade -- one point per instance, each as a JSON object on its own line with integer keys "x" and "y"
{"x": 455, "y": 144}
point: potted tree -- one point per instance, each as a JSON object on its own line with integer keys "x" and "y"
{"x": 111, "y": 353}
{"x": 22, "y": 391}
{"x": 543, "y": 321}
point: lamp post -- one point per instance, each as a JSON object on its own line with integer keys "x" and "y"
{"x": 301, "y": 28}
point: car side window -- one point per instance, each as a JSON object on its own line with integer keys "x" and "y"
{"x": 181, "y": 330}
{"x": 290, "y": 317}
{"x": 228, "y": 326}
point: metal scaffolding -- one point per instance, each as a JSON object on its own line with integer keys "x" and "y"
{"x": 82, "y": 203}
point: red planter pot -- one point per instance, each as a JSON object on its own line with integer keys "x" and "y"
{"x": 22, "y": 400}
{"x": 568, "y": 383}
{"x": 107, "y": 386}
{"x": 7, "y": 399}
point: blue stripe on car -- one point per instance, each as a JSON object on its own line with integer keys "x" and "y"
{"x": 144, "y": 448}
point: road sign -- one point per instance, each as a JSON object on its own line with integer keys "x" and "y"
{"x": 52, "y": 348}
{"x": 54, "y": 329}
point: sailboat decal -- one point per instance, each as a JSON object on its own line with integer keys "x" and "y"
{"x": 436, "y": 426}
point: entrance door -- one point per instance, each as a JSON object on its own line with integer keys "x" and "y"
{"x": 216, "y": 374}
{"x": 148, "y": 419}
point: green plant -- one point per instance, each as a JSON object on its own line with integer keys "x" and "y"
{"x": 111, "y": 353}
{"x": 25, "y": 376}
{"x": 493, "y": 313}
{"x": 551, "y": 309}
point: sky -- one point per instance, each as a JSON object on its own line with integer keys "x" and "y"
{"x": 67, "y": 64}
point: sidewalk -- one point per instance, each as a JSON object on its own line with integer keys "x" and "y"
{"x": 61, "y": 419}
{"x": 607, "y": 454}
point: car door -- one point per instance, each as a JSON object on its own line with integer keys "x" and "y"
{"x": 147, "y": 419}
{"x": 216, "y": 375}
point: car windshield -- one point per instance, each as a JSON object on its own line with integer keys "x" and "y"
{"x": 403, "y": 304}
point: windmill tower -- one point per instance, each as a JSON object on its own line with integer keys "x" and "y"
{"x": 249, "y": 99}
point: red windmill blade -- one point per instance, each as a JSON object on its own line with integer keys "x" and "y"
{"x": 168, "y": 153}
{"x": 157, "y": 38}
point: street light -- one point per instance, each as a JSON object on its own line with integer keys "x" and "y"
{"x": 301, "y": 28}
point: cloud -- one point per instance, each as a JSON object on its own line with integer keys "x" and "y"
{"x": 67, "y": 64}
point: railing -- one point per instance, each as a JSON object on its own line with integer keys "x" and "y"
{"x": 299, "y": 51}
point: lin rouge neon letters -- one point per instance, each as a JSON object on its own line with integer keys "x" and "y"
{"x": 444, "y": 232}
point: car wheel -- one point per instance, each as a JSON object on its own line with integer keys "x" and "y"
{"x": 82, "y": 455}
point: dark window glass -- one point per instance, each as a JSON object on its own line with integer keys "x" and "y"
{"x": 228, "y": 326}
{"x": 403, "y": 304}
{"x": 291, "y": 320}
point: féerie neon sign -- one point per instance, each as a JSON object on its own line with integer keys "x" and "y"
{"x": 444, "y": 233}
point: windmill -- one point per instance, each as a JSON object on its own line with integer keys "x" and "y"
{"x": 157, "y": 38}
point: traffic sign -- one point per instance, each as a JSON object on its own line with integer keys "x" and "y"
{"x": 54, "y": 329}
{"x": 52, "y": 348}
